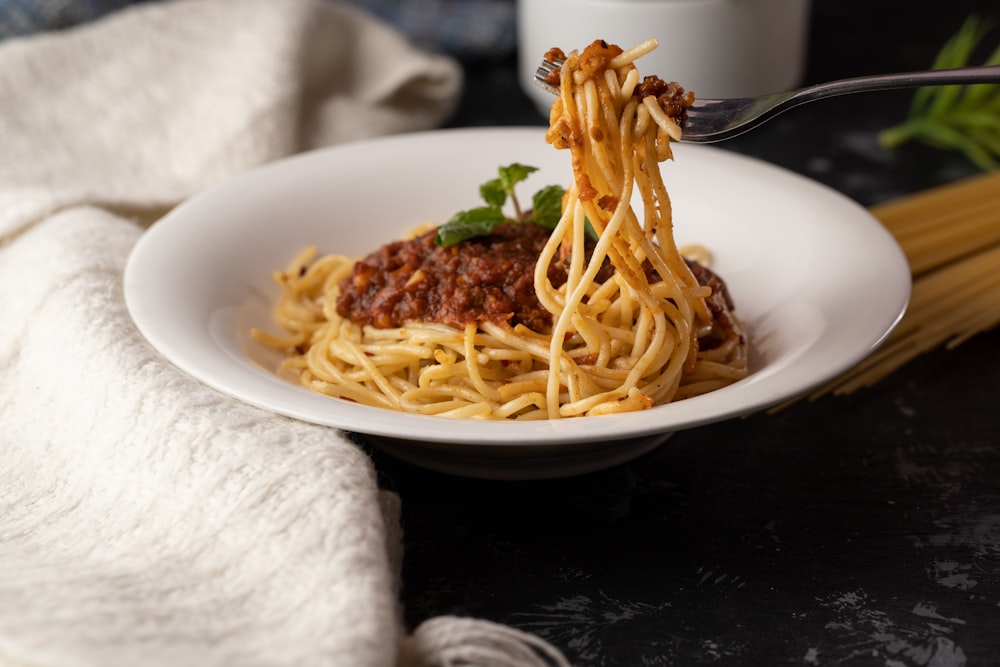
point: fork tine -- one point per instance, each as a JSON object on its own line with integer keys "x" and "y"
{"x": 544, "y": 73}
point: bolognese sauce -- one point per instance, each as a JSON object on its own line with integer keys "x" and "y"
{"x": 484, "y": 279}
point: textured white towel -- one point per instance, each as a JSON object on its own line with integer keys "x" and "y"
{"x": 144, "y": 518}
{"x": 160, "y": 101}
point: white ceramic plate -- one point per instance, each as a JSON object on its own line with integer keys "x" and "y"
{"x": 817, "y": 280}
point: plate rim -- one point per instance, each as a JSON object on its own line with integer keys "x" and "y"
{"x": 372, "y": 421}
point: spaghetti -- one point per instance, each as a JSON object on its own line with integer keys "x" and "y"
{"x": 655, "y": 328}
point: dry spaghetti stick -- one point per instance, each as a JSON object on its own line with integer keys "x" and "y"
{"x": 953, "y": 302}
{"x": 938, "y": 201}
{"x": 929, "y": 225}
{"x": 926, "y": 327}
{"x": 958, "y": 235}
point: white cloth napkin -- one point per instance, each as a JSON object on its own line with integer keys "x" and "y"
{"x": 144, "y": 518}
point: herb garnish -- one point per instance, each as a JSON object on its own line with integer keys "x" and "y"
{"x": 546, "y": 207}
{"x": 964, "y": 118}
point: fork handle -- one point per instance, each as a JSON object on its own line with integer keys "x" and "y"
{"x": 861, "y": 84}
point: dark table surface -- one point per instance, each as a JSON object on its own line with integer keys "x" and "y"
{"x": 857, "y": 530}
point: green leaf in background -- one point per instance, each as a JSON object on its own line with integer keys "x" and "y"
{"x": 963, "y": 118}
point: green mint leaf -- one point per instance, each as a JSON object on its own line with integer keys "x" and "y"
{"x": 468, "y": 224}
{"x": 496, "y": 193}
{"x": 547, "y": 206}
{"x": 513, "y": 174}
{"x": 493, "y": 193}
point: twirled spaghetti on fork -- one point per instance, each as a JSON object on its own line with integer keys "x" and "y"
{"x": 600, "y": 315}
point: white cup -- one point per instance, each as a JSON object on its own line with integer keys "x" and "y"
{"x": 715, "y": 48}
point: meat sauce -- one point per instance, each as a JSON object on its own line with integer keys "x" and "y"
{"x": 720, "y": 305}
{"x": 489, "y": 278}
{"x": 484, "y": 279}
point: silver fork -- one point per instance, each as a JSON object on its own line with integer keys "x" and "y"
{"x": 715, "y": 120}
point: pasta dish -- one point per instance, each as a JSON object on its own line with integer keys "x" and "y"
{"x": 595, "y": 312}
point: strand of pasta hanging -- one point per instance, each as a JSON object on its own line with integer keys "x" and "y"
{"x": 618, "y": 129}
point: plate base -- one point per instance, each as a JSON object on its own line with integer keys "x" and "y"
{"x": 517, "y": 462}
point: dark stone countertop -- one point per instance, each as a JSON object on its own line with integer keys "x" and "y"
{"x": 857, "y": 530}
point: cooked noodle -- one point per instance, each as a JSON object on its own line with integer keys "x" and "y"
{"x": 647, "y": 335}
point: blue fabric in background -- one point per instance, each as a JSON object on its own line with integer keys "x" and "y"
{"x": 468, "y": 30}
{"x": 24, "y": 17}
